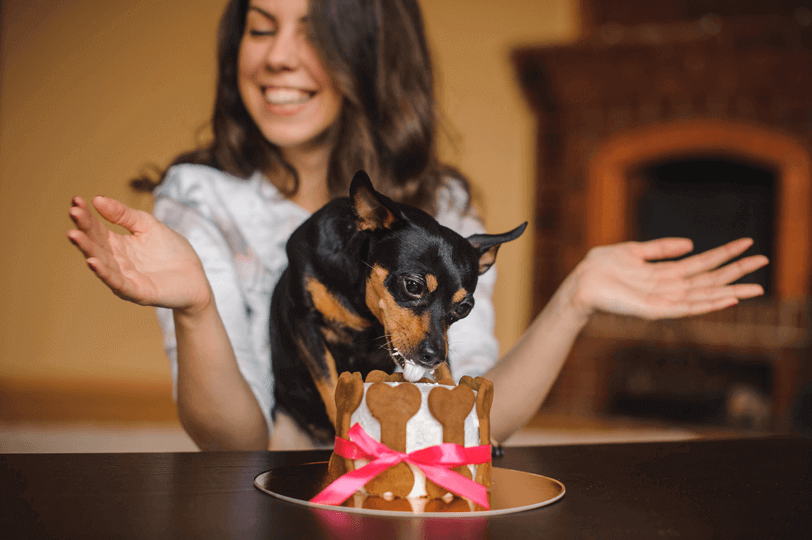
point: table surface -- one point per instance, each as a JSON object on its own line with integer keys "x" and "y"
{"x": 744, "y": 488}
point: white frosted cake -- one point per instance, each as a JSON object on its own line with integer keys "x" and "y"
{"x": 406, "y": 417}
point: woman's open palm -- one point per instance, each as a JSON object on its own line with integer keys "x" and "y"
{"x": 633, "y": 279}
{"x": 153, "y": 265}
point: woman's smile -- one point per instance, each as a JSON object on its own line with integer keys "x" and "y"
{"x": 281, "y": 96}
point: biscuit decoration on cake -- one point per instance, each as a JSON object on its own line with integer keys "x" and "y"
{"x": 484, "y": 400}
{"x": 443, "y": 375}
{"x": 393, "y": 406}
{"x": 349, "y": 394}
{"x": 376, "y": 375}
{"x": 450, "y": 408}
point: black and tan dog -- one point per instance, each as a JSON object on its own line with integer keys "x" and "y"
{"x": 369, "y": 283}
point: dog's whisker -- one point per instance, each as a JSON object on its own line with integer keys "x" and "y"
{"x": 366, "y": 263}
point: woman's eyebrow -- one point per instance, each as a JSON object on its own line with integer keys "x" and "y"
{"x": 262, "y": 12}
{"x": 303, "y": 20}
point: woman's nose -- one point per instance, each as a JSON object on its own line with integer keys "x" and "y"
{"x": 283, "y": 52}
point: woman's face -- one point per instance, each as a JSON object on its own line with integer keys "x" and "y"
{"x": 281, "y": 78}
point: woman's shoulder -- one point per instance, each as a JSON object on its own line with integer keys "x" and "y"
{"x": 190, "y": 182}
{"x": 455, "y": 209}
{"x": 200, "y": 186}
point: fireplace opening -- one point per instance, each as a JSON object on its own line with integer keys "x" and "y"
{"x": 711, "y": 200}
{"x": 688, "y": 384}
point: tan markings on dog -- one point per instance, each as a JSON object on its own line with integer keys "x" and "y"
{"x": 331, "y": 307}
{"x": 371, "y": 214}
{"x": 336, "y": 334}
{"x": 431, "y": 282}
{"x": 459, "y": 296}
{"x": 487, "y": 259}
{"x": 404, "y": 329}
{"x": 330, "y": 335}
{"x": 325, "y": 382}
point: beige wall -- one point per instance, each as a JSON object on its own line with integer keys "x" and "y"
{"x": 93, "y": 90}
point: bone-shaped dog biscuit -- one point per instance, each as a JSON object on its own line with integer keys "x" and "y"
{"x": 450, "y": 408}
{"x": 393, "y": 406}
{"x": 484, "y": 400}
{"x": 443, "y": 375}
{"x": 349, "y": 393}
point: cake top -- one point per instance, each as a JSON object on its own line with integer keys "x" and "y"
{"x": 440, "y": 375}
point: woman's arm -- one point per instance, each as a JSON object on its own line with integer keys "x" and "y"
{"x": 619, "y": 279}
{"x": 157, "y": 266}
{"x": 215, "y": 404}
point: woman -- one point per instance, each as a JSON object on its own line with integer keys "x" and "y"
{"x": 308, "y": 93}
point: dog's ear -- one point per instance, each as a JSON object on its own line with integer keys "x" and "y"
{"x": 488, "y": 244}
{"x": 372, "y": 210}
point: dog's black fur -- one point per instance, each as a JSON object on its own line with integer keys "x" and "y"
{"x": 369, "y": 282}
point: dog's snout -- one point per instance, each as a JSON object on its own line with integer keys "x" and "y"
{"x": 430, "y": 354}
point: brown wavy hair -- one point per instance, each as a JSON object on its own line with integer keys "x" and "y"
{"x": 378, "y": 56}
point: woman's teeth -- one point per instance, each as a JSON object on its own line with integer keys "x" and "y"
{"x": 286, "y": 96}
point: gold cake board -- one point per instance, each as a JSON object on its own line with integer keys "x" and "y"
{"x": 511, "y": 491}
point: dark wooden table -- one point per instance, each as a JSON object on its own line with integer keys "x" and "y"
{"x": 732, "y": 489}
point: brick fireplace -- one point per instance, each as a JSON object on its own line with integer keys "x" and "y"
{"x": 724, "y": 100}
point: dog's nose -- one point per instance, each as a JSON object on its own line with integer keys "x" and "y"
{"x": 430, "y": 355}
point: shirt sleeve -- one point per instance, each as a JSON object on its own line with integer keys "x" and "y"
{"x": 186, "y": 205}
{"x": 472, "y": 345}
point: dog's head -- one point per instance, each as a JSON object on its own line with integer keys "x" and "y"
{"x": 422, "y": 276}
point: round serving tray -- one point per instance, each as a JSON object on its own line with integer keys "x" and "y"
{"x": 511, "y": 491}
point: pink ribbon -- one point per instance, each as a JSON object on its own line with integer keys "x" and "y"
{"x": 434, "y": 461}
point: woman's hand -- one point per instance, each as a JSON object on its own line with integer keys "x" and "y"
{"x": 624, "y": 279}
{"x": 152, "y": 266}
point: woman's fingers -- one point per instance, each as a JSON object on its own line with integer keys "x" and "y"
{"x": 728, "y": 273}
{"x": 688, "y": 309}
{"x": 81, "y": 241}
{"x": 117, "y": 212}
{"x": 86, "y": 222}
{"x": 704, "y": 262}
{"x": 152, "y": 266}
{"x": 663, "y": 248}
{"x": 112, "y": 279}
{"x": 740, "y": 291}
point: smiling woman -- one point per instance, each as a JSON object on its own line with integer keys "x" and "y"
{"x": 135, "y": 83}
{"x": 284, "y": 84}
{"x": 287, "y": 138}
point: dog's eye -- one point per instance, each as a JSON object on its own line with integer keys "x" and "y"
{"x": 463, "y": 309}
{"x": 413, "y": 287}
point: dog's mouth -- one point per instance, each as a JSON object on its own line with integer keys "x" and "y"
{"x": 412, "y": 371}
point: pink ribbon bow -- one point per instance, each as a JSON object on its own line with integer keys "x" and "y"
{"x": 434, "y": 461}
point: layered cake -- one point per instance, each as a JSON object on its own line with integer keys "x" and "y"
{"x": 406, "y": 417}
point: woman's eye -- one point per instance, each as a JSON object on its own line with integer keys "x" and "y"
{"x": 259, "y": 25}
{"x": 261, "y": 33}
